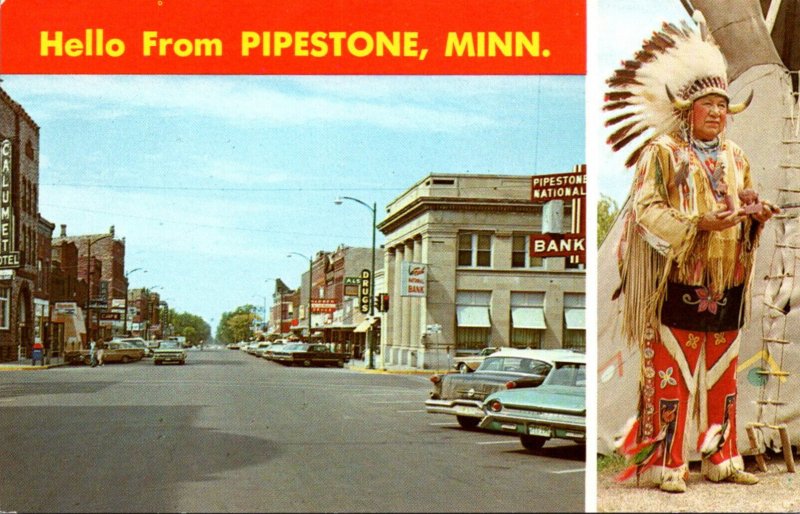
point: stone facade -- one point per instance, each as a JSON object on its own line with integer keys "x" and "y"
{"x": 466, "y": 231}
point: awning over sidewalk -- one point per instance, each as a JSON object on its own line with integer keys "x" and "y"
{"x": 473, "y": 316}
{"x": 364, "y": 325}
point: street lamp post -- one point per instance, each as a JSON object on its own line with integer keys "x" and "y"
{"x": 310, "y": 271}
{"x": 125, "y": 323}
{"x": 371, "y": 332}
{"x": 89, "y": 280}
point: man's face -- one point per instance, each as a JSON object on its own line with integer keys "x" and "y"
{"x": 708, "y": 116}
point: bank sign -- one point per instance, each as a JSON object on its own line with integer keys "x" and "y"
{"x": 560, "y": 186}
{"x": 414, "y": 279}
{"x": 9, "y": 258}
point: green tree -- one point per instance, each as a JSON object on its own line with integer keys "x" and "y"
{"x": 607, "y": 211}
{"x": 191, "y": 326}
{"x": 237, "y": 325}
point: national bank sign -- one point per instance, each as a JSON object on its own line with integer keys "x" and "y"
{"x": 9, "y": 257}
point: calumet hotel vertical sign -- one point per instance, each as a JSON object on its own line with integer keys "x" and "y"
{"x": 9, "y": 257}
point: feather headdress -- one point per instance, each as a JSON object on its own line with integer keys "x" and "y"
{"x": 648, "y": 95}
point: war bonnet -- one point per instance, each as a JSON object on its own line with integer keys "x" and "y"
{"x": 650, "y": 93}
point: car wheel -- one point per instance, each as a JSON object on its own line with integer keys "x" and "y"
{"x": 87, "y": 360}
{"x": 463, "y": 368}
{"x": 183, "y": 362}
{"x": 468, "y": 422}
{"x": 306, "y": 363}
{"x": 125, "y": 359}
{"x": 156, "y": 362}
{"x": 340, "y": 363}
{"x": 532, "y": 442}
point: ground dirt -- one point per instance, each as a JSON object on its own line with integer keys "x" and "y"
{"x": 777, "y": 491}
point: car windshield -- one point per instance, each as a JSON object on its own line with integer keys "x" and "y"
{"x": 294, "y": 346}
{"x": 170, "y": 345}
{"x": 568, "y": 374}
{"x": 515, "y": 364}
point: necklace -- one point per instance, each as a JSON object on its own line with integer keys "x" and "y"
{"x": 707, "y": 153}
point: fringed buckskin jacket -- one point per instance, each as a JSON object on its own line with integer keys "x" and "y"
{"x": 661, "y": 244}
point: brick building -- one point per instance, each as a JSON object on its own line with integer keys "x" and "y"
{"x": 19, "y": 226}
{"x": 101, "y": 264}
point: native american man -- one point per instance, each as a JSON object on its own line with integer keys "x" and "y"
{"x": 686, "y": 255}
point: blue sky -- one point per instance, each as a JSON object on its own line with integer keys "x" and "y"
{"x": 619, "y": 28}
{"x": 212, "y": 180}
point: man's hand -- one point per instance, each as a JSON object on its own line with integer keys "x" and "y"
{"x": 721, "y": 219}
{"x": 766, "y": 212}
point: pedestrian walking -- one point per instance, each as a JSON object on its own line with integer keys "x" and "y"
{"x": 100, "y": 352}
{"x": 93, "y": 353}
{"x": 38, "y": 353}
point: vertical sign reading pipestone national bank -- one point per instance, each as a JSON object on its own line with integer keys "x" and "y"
{"x": 9, "y": 258}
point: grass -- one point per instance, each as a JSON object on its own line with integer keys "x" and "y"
{"x": 611, "y": 463}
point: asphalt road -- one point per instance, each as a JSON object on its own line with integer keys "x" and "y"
{"x": 230, "y": 432}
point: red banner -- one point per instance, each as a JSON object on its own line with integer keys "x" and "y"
{"x": 342, "y": 37}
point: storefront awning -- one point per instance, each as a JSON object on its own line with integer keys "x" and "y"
{"x": 575, "y": 319}
{"x": 473, "y": 316}
{"x": 364, "y": 325}
{"x": 528, "y": 317}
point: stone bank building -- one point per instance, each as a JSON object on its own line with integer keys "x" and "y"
{"x": 466, "y": 241}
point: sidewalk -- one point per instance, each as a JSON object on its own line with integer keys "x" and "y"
{"x": 391, "y": 369}
{"x": 26, "y": 365}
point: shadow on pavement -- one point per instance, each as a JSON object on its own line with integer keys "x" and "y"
{"x": 133, "y": 458}
{"x": 16, "y": 389}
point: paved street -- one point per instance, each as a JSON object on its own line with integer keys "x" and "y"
{"x": 230, "y": 432}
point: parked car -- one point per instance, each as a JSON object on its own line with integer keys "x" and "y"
{"x": 261, "y": 348}
{"x": 170, "y": 351}
{"x": 271, "y": 349}
{"x": 251, "y": 347}
{"x": 138, "y": 342}
{"x": 113, "y": 351}
{"x": 554, "y": 410}
{"x": 308, "y": 354}
{"x": 462, "y": 394}
{"x": 470, "y": 362}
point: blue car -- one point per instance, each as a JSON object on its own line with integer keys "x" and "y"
{"x": 554, "y": 410}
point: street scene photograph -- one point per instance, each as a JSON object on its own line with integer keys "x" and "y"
{"x": 306, "y": 294}
{"x": 697, "y": 229}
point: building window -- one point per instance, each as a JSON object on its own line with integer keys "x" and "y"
{"x": 575, "y": 321}
{"x": 5, "y": 307}
{"x": 527, "y": 319}
{"x": 521, "y": 254}
{"x": 473, "y": 319}
{"x": 475, "y": 250}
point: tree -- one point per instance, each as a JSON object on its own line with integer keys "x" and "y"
{"x": 190, "y": 326}
{"x": 607, "y": 211}
{"x": 237, "y": 325}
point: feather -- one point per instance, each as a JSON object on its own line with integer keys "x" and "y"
{"x": 617, "y": 119}
{"x": 634, "y": 156}
{"x": 621, "y": 132}
{"x": 618, "y": 80}
{"x": 630, "y": 137}
{"x": 613, "y": 96}
{"x": 612, "y": 106}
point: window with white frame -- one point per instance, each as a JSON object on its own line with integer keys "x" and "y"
{"x": 473, "y": 319}
{"x": 521, "y": 254}
{"x": 575, "y": 321}
{"x": 475, "y": 250}
{"x": 5, "y": 307}
{"x": 527, "y": 319}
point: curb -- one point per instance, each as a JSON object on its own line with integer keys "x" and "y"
{"x": 28, "y": 367}
{"x": 378, "y": 371}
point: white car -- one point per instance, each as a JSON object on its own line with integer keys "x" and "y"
{"x": 169, "y": 351}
